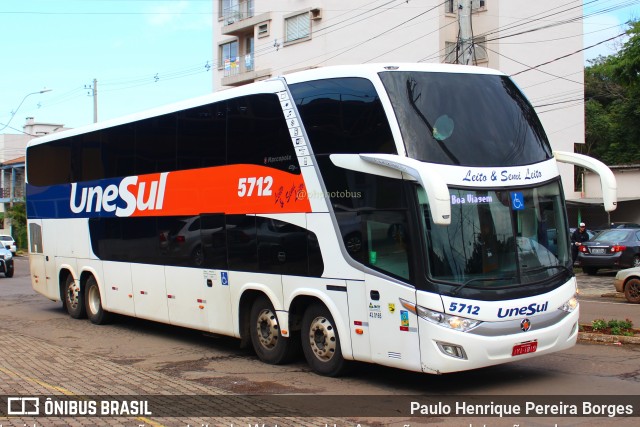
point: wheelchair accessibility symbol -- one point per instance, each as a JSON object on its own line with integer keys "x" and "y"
{"x": 517, "y": 201}
{"x": 224, "y": 278}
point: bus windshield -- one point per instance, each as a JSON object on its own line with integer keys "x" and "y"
{"x": 498, "y": 237}
{"x": 448, "y": 118}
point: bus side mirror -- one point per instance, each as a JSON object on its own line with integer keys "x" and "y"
{"x": 607, "y": 178}
{"x": 395, "y": 166}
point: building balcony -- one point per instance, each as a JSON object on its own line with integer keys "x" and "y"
{"x": 6, "y": 196}
{"x": 242, "y": 70}
{"x": 237, "y": 24}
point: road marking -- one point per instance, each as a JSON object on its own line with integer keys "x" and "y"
{"x": 605, "y": 302}
{"x": 65, "y": 392}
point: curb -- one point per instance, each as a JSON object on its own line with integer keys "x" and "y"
{"x": 613, "y": 295}
{"x": 607, "y": 339}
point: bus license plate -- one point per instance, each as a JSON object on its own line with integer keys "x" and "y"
{"x": 524, "y": 348}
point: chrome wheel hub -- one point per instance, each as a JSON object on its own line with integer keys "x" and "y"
{"x": 268, "y": 330}
{"x": 322, "y": 339}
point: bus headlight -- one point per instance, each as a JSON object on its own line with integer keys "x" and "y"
{"x": 570, "y": 305}
{"x": 457, "y": 323}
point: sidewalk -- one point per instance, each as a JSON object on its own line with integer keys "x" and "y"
{"x": 30, "y": 367}
{"x": 598, "y": 285}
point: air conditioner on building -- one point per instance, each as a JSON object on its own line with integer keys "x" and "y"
{"x": 316, "y": 14}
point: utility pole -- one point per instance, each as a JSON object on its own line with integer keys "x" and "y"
{"x": 465, "y": 39}
{"x": 93, "y": 91}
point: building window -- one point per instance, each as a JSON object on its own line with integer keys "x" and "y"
{"x": 480, "y": 48}
{"x": 248, "y": 54}
{"x": 263, "y": 30}
{"x": 235, "y": 10}
{"x": 478, "y": 4}
{"x": 297, "y": 27}
{"x": 451, "y": 54}
{"x": 229, "y": 58}
{"x": 448, "y": 6}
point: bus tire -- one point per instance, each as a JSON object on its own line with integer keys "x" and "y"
{"x": 321, "y": 342}
{"x": 74, "y": 299}
{"x": 268, "y": 343}
{"x": 93, "y": 303}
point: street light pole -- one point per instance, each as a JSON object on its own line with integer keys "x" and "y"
{"x": 14, "y": 112}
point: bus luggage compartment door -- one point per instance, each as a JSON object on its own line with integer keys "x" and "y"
{"x": 42, "y": 262}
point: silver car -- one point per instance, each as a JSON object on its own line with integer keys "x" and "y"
{"x": 8, "y": 242}
{"x": 628, "y": 282}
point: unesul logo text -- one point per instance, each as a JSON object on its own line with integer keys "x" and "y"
{"x": 123, "y": 199}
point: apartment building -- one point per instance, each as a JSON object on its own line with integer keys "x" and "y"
{"x": 258, "y": 39}
{"x": 12, "y": 166}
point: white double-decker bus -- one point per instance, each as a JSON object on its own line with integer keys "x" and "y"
{"x": 408, "y": 215}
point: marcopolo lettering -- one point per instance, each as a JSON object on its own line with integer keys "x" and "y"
{"x": 131, "y": 195}
{"x": 525, "y": 310}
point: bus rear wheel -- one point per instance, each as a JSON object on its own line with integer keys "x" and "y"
{"x": 268, "y": 343}
{"x": 74, "y": 299}
{"x": 93, "y": 303}
{"x": 321, "y": 342}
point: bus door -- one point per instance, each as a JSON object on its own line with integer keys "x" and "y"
{"x": 215, "y": 278}
{"x": 393, "y": 328}
{"x": 41, "y": 260}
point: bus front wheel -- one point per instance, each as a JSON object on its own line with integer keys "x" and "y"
{"x": 93, "y": 303}
{"x": 321, "y": 343}
{"x": 74, "y": 298}
{"x": 268, "y": 343}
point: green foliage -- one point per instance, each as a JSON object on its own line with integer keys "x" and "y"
{"x": 614, "y": 327}
{"x": 612, "y": 109}
{"x": 598, "y": 324}
{"x": 623, "y": 324}
{"x": 18, "y": 215}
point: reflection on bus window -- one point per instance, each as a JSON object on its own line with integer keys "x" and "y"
{"x": 494, "y": 234}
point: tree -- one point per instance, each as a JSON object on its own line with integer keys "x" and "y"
{"x": 18, "y": 215}
{"x": 612, "y": 108}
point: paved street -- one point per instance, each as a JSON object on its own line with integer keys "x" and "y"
{"x": 44, "y": 365}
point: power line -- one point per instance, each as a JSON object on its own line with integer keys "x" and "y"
{"x": 567, "y": 55}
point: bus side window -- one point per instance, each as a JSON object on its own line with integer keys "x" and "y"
{"x": 257, "y": 133}
{"x": 201, "y": 136}
{"x": 242, "y": 251}
{"x": 119, "y": 149}
{"x": 372, "y": 215}
{"x": 156, "y": 144}
{"x": 343, "y": 115}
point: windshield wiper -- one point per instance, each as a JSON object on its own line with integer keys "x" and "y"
{"x": 548, "y": 267}
{"x": 483, "y": 279}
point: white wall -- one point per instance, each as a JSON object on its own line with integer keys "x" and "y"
{"x": 361, "y": 31}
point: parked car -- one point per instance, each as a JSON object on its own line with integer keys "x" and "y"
{"x": 612, "y": 225}
{"x": 6, "y": 262}
{"x": 628, "y": 282}
{"x": 8, "y": 243}
{"x": 616, "y": 248}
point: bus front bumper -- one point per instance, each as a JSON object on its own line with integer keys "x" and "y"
{"x": 444, "y": 350}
